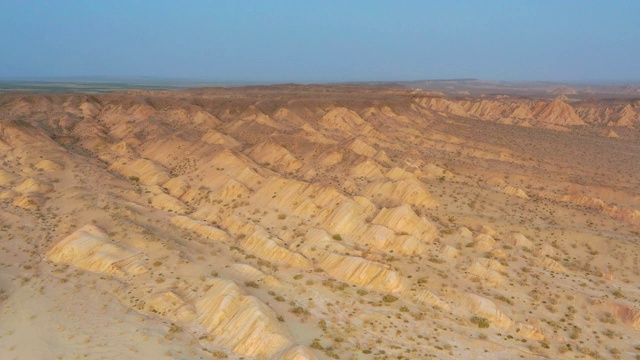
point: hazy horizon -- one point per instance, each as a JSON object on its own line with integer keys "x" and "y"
{"x": 322, "y": 42}
{"x": 132, "y": 80}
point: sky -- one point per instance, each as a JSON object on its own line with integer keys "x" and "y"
{"x": 322, "y": 41}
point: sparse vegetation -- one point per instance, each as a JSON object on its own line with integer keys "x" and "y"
{"x": 389, "y": 298}
{"x": 275, "y": 194}
{"x": 481, "y": 322}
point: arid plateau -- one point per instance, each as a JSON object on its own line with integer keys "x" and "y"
{"x": 297, "y": 222}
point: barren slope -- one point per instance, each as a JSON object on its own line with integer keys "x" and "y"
{"x": 304, "y": 222}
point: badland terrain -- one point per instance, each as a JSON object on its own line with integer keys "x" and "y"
{"x": 311, "y": 222}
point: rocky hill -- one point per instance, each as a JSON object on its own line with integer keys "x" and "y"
{"x": 311, "y": 222}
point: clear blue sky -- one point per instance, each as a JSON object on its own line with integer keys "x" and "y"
{"x": 316, "y": 41}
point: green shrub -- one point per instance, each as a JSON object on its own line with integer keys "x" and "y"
{"x": 480, "y": 321}
{"x": 389, "y": 298}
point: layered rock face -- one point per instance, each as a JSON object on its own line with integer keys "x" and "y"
{"x": 555, "y": 114}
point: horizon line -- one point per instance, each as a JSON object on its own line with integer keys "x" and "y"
{"x": 205, "y": 81}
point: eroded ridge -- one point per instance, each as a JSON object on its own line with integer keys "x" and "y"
{"x": 304, "y": 222}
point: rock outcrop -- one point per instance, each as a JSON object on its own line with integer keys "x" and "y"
{"x": 90, "y": 248}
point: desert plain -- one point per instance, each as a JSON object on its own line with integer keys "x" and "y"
{"x": 297, "y": 222}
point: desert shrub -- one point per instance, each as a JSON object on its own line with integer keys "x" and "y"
{"x": 480, "y": 321}
{"x": 175, "y": 328}
{"x": 298, "y": 310}
{"x": 219, "y": 354}
{"x": 389, "y": 298}
{"x": 315, "y": 344}
{"x": 504, "y": 299}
